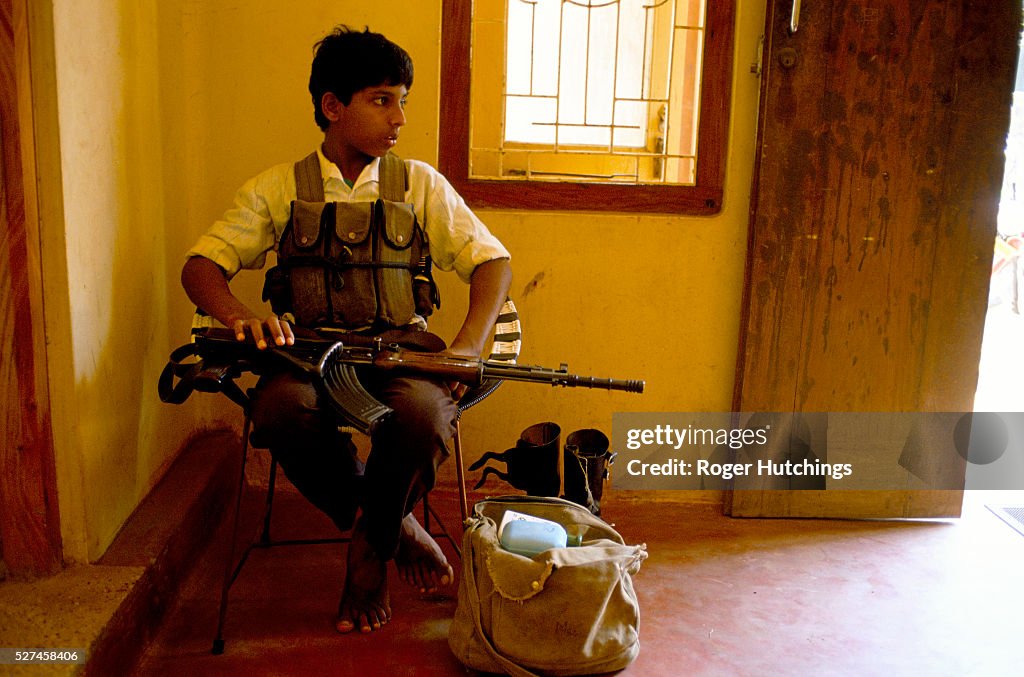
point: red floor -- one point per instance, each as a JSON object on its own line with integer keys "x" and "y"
{"x": 718, "y": 596}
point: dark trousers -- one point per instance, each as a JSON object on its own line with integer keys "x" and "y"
{"x": 407, "y": 448}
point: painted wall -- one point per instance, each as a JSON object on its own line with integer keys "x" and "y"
{"x": 166, "y": 108}
{"x": 105, "y": 262}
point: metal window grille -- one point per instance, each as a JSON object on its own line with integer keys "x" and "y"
{"x": 591, "y": 90}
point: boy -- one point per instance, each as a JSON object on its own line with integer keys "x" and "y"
{"x": 344, "y": 263}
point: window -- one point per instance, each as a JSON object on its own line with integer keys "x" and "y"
{"x": 587, "y": 104}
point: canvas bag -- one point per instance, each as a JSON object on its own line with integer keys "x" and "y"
{"x": 566, "y": 611}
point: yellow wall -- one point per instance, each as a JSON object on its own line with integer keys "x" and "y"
{"x": 102, "y": 266}
{"x": 109, "y": 203}
{"x": 165, "y": 108}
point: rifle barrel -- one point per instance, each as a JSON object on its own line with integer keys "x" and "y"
{"x": 558, "y": 377}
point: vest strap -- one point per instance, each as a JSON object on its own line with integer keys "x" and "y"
{"x": 309, "y": 185}
{"x": 392, "y": 178}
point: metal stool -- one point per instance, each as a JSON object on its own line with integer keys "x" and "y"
{"x": 506, "y": 346}
{"x": 234, "y": 565}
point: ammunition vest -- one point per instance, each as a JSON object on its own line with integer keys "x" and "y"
{"x": 352, "y": 265}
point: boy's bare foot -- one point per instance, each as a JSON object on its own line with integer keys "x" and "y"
{"x": 364, "y": 601}
{"x": 419, "y": 558}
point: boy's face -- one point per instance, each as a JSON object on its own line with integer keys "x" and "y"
{"x": 370, "y": 123}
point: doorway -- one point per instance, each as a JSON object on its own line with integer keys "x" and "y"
{"x": 1001, "y": 368}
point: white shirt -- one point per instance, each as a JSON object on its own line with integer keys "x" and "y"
{"x": 242, "y": 237}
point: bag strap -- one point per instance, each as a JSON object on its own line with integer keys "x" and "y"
{"x": 309, "y": 184}
{"x": 392, "y": 178}
{"x": 469, "y": 574}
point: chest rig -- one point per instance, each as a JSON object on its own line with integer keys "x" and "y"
{"x": 352, "y": 265}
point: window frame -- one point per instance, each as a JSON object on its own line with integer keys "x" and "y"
{"x": 702, "y": 198}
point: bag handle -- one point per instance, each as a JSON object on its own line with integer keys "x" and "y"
{"x": 469, "y": 574}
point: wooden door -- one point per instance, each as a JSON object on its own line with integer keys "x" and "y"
{"x": 30, "y": 542}
{"x": 880, "y": 159}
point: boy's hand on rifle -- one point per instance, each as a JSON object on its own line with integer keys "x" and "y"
{"x": 272, "y": 327}
{"x": 458, "y": 389}
{"x": 460, "y": 352}
{"x": 206, "y": 284}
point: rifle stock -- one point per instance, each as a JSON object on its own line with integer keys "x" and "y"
{"x": 333, "y": 368}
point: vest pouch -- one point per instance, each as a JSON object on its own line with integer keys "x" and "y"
{"x": 302, "y": 247}
{"x": 349, "y": 265}
{"x": 399, "y": 259}
{"x": 307, "y": 222}
{"x": 352, "y": 294}
{"x": 426, "y": 297}
{"x": 277, "y": 290}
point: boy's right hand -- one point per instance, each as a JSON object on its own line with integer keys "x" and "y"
{"x": 207, "y": 286}
{"x": 272, "y": 327}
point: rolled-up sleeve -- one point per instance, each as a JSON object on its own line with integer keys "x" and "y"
{"x": 245, "y": 233}
{"x": 458, "y": 239}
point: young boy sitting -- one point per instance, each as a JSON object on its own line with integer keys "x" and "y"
{"x": 354, "y": 254}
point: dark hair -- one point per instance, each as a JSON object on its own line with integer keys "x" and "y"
{"x": 347, "y": 61}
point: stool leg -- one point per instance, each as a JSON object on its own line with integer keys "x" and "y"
{"x": 428, "y": 512}
{"x": 218, "y": 640}
{"x": 460, "y": 472}
{"x": 271, "y": 483}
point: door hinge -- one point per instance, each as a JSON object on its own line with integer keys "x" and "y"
{"x": 756, "y": 67}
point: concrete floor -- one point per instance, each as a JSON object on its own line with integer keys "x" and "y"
{"x": 65, "y": 612}
{"x": 719, "y": 596}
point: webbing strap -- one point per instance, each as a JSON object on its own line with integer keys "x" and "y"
{"x": 392, "y": 178}
{"x": 309, "y": 185}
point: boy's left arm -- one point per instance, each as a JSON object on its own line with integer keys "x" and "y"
{"x": 488, "y": 289}
{"x": 459, "y": 241}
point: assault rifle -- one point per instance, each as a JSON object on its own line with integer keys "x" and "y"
{"x": 333, "y": 367}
